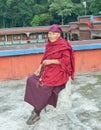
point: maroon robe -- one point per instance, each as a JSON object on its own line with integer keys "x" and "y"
{"x": 53, "y": 77}
{"x": 39, "y": 97}
{"x": 53, "y": 74}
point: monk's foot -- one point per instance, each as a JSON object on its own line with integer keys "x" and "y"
{"x": 32, "y": 119}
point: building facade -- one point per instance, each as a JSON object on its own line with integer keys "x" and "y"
{"x": 86, "y": 27}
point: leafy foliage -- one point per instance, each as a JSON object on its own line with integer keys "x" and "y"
{"x": 61, "y": 8}
{"x": 19, "y": 13}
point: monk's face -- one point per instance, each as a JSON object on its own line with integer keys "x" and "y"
{"x": 53, "y": 36}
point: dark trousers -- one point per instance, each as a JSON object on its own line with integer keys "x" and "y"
{"x": 40, "y": 97}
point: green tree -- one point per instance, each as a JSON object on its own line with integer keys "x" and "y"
{"x": 93, "y": 6}
{"x": 3, "y": 13}
{"x": 41, "y": 20}
{"x": 42, "y": 15}
{"x": 61, "y": 8}
{"x": 20, "y": 12}
{"x": 78, "y": 8}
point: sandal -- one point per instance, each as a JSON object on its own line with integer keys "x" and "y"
{"x": 33, "y": 118}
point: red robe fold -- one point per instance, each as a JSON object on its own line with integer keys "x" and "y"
{"x": 58, "y": 74}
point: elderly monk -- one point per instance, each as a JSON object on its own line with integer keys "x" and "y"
{"x": 57, "y": 65}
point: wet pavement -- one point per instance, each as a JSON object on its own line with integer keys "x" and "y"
{"x": 85, "y": 113}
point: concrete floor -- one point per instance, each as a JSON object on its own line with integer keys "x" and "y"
{"x": 85, "y": 113}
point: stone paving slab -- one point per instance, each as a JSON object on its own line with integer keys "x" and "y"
{"x": 85, "y": 113}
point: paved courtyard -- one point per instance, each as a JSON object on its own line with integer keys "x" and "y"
{"x": 85, "y": 113}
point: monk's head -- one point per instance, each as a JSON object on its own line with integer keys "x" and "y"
{"x": 54, "y": 32}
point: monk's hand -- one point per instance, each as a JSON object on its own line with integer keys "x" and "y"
{"x": 37, "y": 72}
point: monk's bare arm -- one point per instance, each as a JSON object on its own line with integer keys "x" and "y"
{"x": 51, "y": 61}
{"x": 46, "y": 62}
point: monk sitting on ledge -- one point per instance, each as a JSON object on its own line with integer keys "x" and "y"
{"x": 57, "y": 65}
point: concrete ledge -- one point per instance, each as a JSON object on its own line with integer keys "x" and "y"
{"x": 21, "y": 62}
{"x": 87, "y": 46}
{"x": 21, "y": 52}
{"x": 41, "y": 50}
